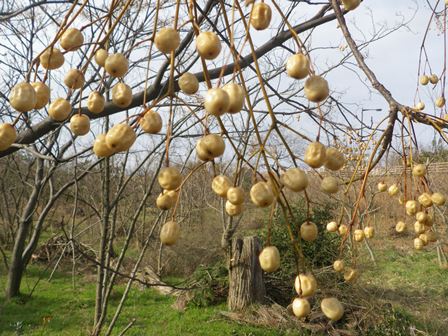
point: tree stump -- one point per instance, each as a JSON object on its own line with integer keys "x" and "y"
{"x": 246, "y": 285}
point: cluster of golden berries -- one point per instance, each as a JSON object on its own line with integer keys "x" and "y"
{"x": 425, "y": 80}
{"x": 418, "y": 208}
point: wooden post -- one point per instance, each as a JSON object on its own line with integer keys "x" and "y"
{"x": 246, "y": 285}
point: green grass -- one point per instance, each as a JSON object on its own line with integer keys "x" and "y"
{"x": 55, "y": 308}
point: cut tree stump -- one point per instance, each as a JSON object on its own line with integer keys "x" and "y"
{"x": 246, "y": 285}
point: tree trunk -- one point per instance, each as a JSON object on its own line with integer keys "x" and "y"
{"x": 246, "y": 285}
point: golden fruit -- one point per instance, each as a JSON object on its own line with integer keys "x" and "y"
{"x": 295, "y": 179}
{"x": 411, "y": 207}
{"x": 96, "y": 102}
{"x": 335, "y": 159}
{"x": 332, "y": 308}
{"x": 72, "y": 39}
{"x": 440, "y": 102}
{"x": 305, "y": 285}
{"x": 269, "y": 259}
{"x": 216, "y": 102}
{"x": 419, "y": 170}
{"x": 51, "y": 59}
{"x": 358, "y": 235}
{"x": 74, "y": 79}
{"x": 424, "y": 80}
{"x": 122, "y": 95}
{"x": 208, "y": 45}
{"x": 80, "y": 124}
{"x": 424, "y": 238}
{"x": 301, "y": 307}
{"x": 236, "y": 97}
{"x": 438, "y": 198}
{"x": 169, "y": 233}
{"x": 329, "y": 185}
{"x": 422, "y": 217}
{"x": 116, "y": 65}
{"x": 101, "y": 56}
{"x": 434, "y": 79}
{"x": 169, "y": 178}
{"x": 121, "y": 137}
{"x": 308, "y": 231}
{"x": 59, "y": 109}
{"x": 298, "y": 66}
{"x": 382, "y": 187}
{"x": 210, "y": 147}
{"x": 343, "y": 229}
{"x": 22, "y": 97}
{"x": 419, "y": 227}
{"x": 316, "y": 89}
{"x": 393, "y": 190}
{"x": 100, "y": 147}
{"x": 8, "y": 136}
{"x": 167, "y": 40}
{"x": 261, "y": 194}
{"x": 151, "y": 122}
{"x": 332, "y": 227}
{"x": 425, "y": 200}
{"x": 315, "y": 155}
{"x": 369, "y": 232}
{"x": 418, "y": 244}
{"x": 188, "y": 83}
{"x": 400, "y": 227}
{"x": 350, "y": 274}
{"x": 350, "y": 4}
{"x": 166, "y": 200}
{"x": 261, "y": 15}
{"x": 42, "y": 94}
{"x": 220, "y": 185}
{"x": 420, "y": 106}
{"x": 339, "y": 265}
{"x": 235, "y": 195}
{"x": 233, "y": 209}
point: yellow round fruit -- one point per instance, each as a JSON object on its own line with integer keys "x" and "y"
{"x": 440, "y": 102}
{"x": 269, "y": 259}
{"x": 294, "y": 179}
{"x": 308, "y": 231}
{"x": 332, "y": 308}
{"x": 22, "y": 97}
{"x": 350, "y": 274}
{"x": 424, "y": 238}
{"x": 122, "y": 95}
{"x": 166, "y": 200}
{"x": 42, "y": 94}
{"x": 235, "y": 195}
{"x": 438, "y": 198}
{"x": 382, "y": 187}
{"x": 422, "y": 217}
{"x": 419, "y": 170}
{"x": 96, "y": 102}
{"x": 332, "y": 227}
{"x": 411, "y": 207}
{"x": 369, "y": 232}
{"x": 74, "y": 79}
{"x": 339, "y": 265}
{"x": 316, "y": 89}
{"x": 101, "y": 56}
{"x": 425, "y": 200}
{"x": 335, "y": 159}
{"x": 301, "y": 307}
{"x": 419, "y": 227}
{"x": 121, "y": 137}
{"x": 188, "y": 83}
{"x": 393, "y": 190}
{"x": 298, "y": 66}
{"x": 80, "y": 124}
{"x": 350, "y": 4}
{"x": 100, "y": 147}
{"x": 51, "y": 59}
{"x": 72, "y": 39}
{"x": 169, "y": 178}
{"x": 330, "y": 185}
{"x": 8, "y": 136}
{"x": 434, "y": 79}
{"x": 116, "y": 65}
{"x": 305, "y": 285}
{"x": 233, "y": 209}
{"x": 400, "y": 227}
{"x": 343, "y": 229}
{"x": 208, "y": 45}
{"x": 59, "y": 109}
{"x": 236, "y": 97}
{"x": 358, "y": 235}
{"x": 210, "y": 147}
{"x": 216, "y": 102}
{"x": 420, "y": 106}
{"x": 424, "y": 80}
{"x": 220, "y": 185}
{"x": 151, "y": 122}
{"x": 261, "y": 15}
{"x": 170, "y": 233}
{"x": 167, "y": 40}
{"x": 315, "y": 155}
{"x": 418, "y": 244}
{"x": 261, "y": 194}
